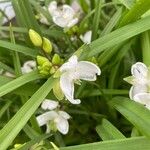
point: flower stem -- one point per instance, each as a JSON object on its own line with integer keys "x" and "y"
{"x": 145, "y": 41}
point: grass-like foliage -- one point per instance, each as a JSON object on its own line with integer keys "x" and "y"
{"x": 106, "y": 118}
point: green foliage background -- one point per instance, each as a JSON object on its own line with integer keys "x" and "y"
{"x": 106, "y": 118}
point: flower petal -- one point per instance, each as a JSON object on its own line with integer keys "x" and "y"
{"x": 139, "y": 71}
{"x": 136, "y": 89}
{"x": 67, "y": 87}
{"x": 68, "y": 12}
{"x": 87, "y": 37}
{"x": 143, "y": 98}
{"x": 64, "y": 114}
{"x": 62, "y": 125}
{"x": 72, "y": 22}
{"x": 49, "y": 104}
{"x": 28, "y": 66}
{"x": 52, "y": 7}
{"x": 44, "y": 118}
{"x": 76, "y": 7}
{"x": 87, "y": 71}
{"x": 60, "y": 21}
{"x": 72, "y": 62}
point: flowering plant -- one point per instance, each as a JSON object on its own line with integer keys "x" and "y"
{"x": 64, "y": 68}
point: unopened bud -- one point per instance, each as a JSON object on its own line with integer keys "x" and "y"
{"x": 47, "y": 45}
{"x": 52, "y": 70}
{"x": 56, "y": 59}
{"x": 35, "y": 38}
{"x": 41, "y": 60}
{"x": 57, "y": 91}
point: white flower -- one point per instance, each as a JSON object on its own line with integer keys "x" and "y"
{"x": 86, "y": 38}
{"x": 28, "y": 66}
{"x": 72, "y": 72}
{"x": 76, "y": 7}
{"x": 53, "y": 118}
{"x": 64, "y": 16}
{"x": 7, "y": 8}
{"x": 140, "y": 91}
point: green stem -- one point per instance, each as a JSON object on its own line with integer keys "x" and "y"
{"x": 145, "y": 41}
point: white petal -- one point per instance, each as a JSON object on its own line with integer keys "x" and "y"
{"x": 44, "y": 118}
{"x": 52, "y": 7}
{"x": 87, "y": 71}
{"x": 139, "y": 71}
{"x": 7, "y": 8}
{"x": 87, "y": 37}
{"x": 143, "y": 98}
{"x": 68, "y": 12}
{"x": 49, "y": 104}
{"x": 72, "y": 62}
{"x": 67, "y": 87}
{"x": 136, "y": 89}
{"x": 75, "y": 6}
{"x": 64, "y": 114}
{"x": 60, "y": 21}
{"x": 28, "y": 66}
{"x": 62, "y": 125}
{"x": 72, "y": 22}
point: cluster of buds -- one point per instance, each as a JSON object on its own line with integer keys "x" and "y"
{"x": 39, "y": 41}
{"x": 46, "y": 65}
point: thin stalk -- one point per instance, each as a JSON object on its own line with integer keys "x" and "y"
{"x": 145, "y": 41}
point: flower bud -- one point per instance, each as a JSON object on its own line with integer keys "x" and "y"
{"x": 56, "y": 59}
{"x": 35, "y": 38}
{"x": 43, "y": 72}
{"x": 52, "y": 70}
{"x": 57, "y": 91}
{"x": 41, "y": 60}
{"x": 47, "y": 45}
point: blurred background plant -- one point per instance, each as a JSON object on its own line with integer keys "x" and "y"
{"x": 119, "y": 37}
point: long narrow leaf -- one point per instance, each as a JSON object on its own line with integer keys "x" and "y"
{"x": 137, "y": 114}
{"x": 14, "y": 126}
{"x": 108, "y": 132}
{"x": 10, "y": 86}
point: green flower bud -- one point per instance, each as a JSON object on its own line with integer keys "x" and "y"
{"x": 43, "y": 72}
{"x": 47, "y": 66}
{"x": 47, "y": 45}
{"x": 41, "y": 60}
{"x": 56, "y": 59}
{"x": 35, "y": 38}
{"x": 75, "y": 29}
{"x": 52, "y": 70}
{"x": 57, "y": 91}
{"x": 57, "y": 74}
{"x": 52, "y": 126}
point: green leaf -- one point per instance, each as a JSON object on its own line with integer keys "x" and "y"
{"x": 117, "y": 37}
{"x": 136, "y": 113}
{"x": 10, "y": 86}
{"x": 96, "y": 20}
{"x": 140, "y": 143}
{"x": 18, "y": 48}
{"x": 145, "y": 40}
{"x": 107, "y": 131}
{"x": 14, "y": 126}
{"x": 140, "y": 7}
{"x": 4, "y": 108}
